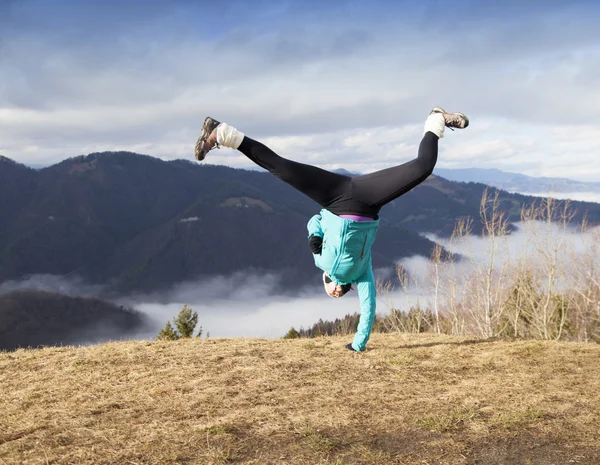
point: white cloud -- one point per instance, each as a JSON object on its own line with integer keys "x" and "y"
{"x": 332, "y": 92}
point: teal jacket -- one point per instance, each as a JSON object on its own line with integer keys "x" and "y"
{"x": 346, "y": 258}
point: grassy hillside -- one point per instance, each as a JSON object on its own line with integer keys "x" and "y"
{"x": 409, "y": 399}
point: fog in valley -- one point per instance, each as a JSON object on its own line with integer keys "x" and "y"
{"x": 577, "y": 196}
{"x": 243, "y": 305}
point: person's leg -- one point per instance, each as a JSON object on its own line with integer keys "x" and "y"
{"x": 330, "y": 190}
{"x": 361, "y": 195}
{"x": 372, "y": 191}
{"x": 378, "y": 188}
{"x": 324, "y": 187}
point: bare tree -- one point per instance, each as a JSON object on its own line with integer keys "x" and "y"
{"x": 548, "y": 289}
{"x": 585, "y": 298}
{"x": 435, "y": 276}
{"x": 455, "y": 282}
{"x": 411, "y": 320}
{"x": 485, "y": 282}
{"x": 548, "y": 224}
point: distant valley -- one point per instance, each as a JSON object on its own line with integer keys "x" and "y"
{"x": 515, "y": 182}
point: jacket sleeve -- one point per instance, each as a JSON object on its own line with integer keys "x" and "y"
{"x": 367, "y": 294}
{"x": 314, "y": 226}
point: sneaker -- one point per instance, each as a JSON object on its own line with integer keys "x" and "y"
{"x": 453, "y": 120}
{"x": 349, "y": 347}
{"x": 208, "y": 138}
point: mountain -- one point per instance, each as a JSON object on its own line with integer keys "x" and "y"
{"x": 140, "y": 224}
{"x": 17, "y": 185}
{"x": 516, "y": 182}
{"x": 346, "y": 172}
{"x": 32, "y": 319}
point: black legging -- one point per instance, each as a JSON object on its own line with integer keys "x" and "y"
{"x": 346, "y": 195}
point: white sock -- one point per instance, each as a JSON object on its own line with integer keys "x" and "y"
{"x": 435, "y": 123}
{"x": 228, "y": 136}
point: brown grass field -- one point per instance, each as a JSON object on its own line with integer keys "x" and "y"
{"x": 408, "y": 400}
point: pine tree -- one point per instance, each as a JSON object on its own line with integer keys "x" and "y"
{"x": 186, "y": 322}
{"x": 292, "y": 334}
{"x": 168, "y": 333}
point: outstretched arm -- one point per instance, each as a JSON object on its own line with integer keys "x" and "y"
{"x": 367, "y": 294}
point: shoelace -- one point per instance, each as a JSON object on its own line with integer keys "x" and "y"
{"x": 216, "y": 146}
{"x": 453, "y": 119}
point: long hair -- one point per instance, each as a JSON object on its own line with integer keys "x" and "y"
{"x": 346, "y": 288}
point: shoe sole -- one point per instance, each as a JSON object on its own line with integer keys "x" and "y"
{"x": 204, "y": 135}
{"x": 465, "y": 118}
{"x": 442, "y": 111}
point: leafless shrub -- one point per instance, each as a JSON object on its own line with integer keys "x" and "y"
{"x": 483, "y": 283}
{"x": 548, "y": 290}
{"x": 585, "y": 295}
{"x": 415, "y": 320}
{"x": 547, "y": 225}
{"x": 435, "y": 276}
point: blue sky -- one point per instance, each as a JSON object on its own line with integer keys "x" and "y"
{"x": 337, "y": 84}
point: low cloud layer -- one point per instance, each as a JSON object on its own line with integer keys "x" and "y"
{"x": 532, "y": 243}
{"x": 72, "y": 286}
{"x": 243, "y": 305}
{"x": 234, "y": 307}
{"x": 580, "y": 196}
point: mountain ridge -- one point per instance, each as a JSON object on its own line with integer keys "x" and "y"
{"x": 118, "y": 218}
{"x": 506, "y": 180}
{"x": 516, "y": 182}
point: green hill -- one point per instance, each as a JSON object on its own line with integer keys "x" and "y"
{"x": 407, "y": 400}
{"x": 33, "y": 318}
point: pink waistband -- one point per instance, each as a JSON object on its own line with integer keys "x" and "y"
{"x": 356, "y": 218}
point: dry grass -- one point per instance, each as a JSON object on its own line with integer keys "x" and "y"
{"x": 409, "y": 399}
